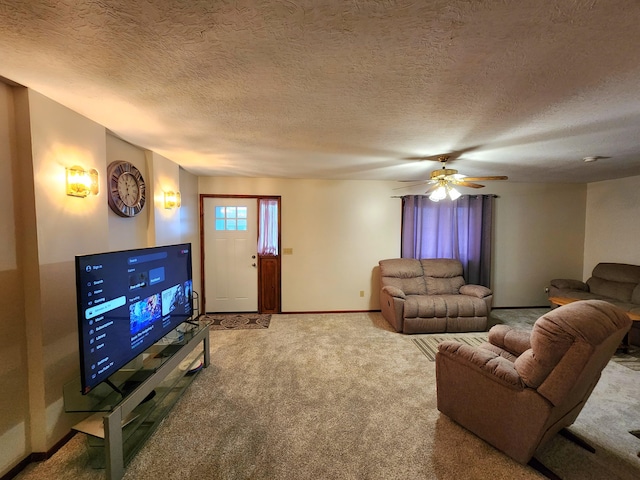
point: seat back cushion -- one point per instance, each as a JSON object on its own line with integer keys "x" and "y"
{"x": 403, "y": 273}
{"x": 583, "y": 325}
{"x": 614, "y": 280}
{"x": 443, "y": 276}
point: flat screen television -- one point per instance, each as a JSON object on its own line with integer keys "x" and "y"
{"x": 127, "y": 301}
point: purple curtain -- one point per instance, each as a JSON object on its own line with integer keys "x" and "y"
{"x": 460, "y": 229}
{"x": 268, "y": 236}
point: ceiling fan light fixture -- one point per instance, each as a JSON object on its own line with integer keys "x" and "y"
{"x": 440, "y": 193}
{"x": 453, "y": 193}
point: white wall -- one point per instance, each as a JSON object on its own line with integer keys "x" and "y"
{"x": 124, "y": 232}
{"x": 164, "y": 224}
{"x": 539, "y": 235}
{"x": 66, "y": 226}
{"x": 340, "y": 229}
{"x": 613, "y": 223}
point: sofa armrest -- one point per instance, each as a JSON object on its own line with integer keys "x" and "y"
{"x": 484, "y": 361}
{"x": 513, "y": 340}
{"x": 475, "y": 291}
{"x": 394, "y": 291}
{"x": 392, "y": 306}
{"x": 569, "y": 284}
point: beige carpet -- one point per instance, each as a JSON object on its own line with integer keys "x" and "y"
{"x": 344, "y": 397}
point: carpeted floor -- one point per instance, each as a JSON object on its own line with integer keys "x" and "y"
{"x": 428, "y": 345}
{"x": 237, "y": 321}
{"x": 342, "y": 396}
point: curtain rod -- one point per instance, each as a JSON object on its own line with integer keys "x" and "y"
{"x": 473, "y": 196}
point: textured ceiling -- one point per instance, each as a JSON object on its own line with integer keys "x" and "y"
{"x": 346, "y": 89}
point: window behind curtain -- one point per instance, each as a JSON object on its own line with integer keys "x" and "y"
{"x": 268, "y": 236}
{"x": 460, "y": 229}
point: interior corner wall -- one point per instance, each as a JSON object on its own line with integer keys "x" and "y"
{"x": 539, "y": 234}
{"x": 613, "y": 223}
{"x": 164, "y": 224}
{"x": 190, "y": 219}
{"x": 14, "y": 391}
{"x": 66, "y": 227}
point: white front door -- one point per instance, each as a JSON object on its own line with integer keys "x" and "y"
{"x": 230, "y": 254}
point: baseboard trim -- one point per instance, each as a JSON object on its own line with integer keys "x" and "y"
{"x": 37, "y": 457}
{"x": 326, "y": 311}
{"x": 515, "y": 308}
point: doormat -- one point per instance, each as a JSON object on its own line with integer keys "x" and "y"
{"x": 237, "y": 321}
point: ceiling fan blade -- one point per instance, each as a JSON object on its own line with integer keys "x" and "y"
{"x": 464, "y": 183}
{"x": 430, "y": 189}
{"x": 414, "y": 185}
{"x": 481, "y": 179}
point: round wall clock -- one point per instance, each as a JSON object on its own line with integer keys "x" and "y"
{"x": 126, "y": 192}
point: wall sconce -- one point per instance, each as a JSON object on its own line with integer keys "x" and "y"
{"x": 81, "y": 182}
{"x": 171, "y": 199}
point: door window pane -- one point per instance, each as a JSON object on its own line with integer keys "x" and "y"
{"x": 231, "y": 218}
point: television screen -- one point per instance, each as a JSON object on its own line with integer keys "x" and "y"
{"x": 127, "y": 301}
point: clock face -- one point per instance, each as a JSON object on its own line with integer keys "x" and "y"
{"x": 126, "y": 189}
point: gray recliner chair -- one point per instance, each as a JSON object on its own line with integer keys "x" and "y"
{"x": 521, "y": 388}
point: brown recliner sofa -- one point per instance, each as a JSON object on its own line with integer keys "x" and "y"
{"x": 430, "y": 296}
{"x": 617, "y": 283}
{"x": 521, "y": 388}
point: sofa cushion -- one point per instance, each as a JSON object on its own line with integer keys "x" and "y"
{"x": 443, "y": 286}
{"x": 612, "y": 289}
{"x": 441, "y": 267}
{"x": 444, "y": 306}
{"x": 514, "y": 340}
{"x": 479, "y": 291}
{"x": 617, "y": 272}
{"x": 403, "y": 273}
{"x": 569, "y": 284}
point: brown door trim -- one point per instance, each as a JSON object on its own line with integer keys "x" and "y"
{"x": 278, "y": 282}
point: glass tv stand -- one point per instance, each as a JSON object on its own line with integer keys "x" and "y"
{"x": 151, "y": 386}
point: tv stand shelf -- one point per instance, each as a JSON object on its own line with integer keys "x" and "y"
{"x": 120, "y": 426}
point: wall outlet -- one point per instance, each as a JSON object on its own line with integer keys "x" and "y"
{"x": 362, "y": 293}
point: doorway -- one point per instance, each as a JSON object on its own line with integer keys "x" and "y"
{"x": 234, "y": 277}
